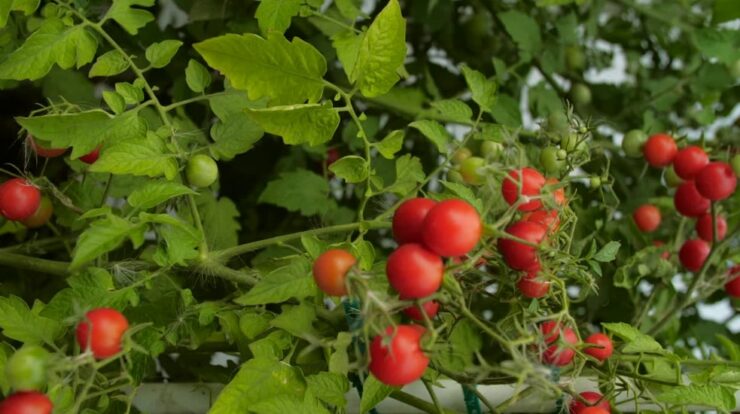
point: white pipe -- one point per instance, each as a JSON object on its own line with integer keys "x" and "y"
{"x": 158, "y": 398}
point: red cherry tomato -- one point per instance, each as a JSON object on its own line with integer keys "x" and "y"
{"x": 27, "y": 402}
{"x": 532, "y": 287}
{"x": 396, "y": 358}
{"x": 332, "y": 155}
{"x": 430, "y": 307}
{"x": 44, "y": 152}
{"x": 547, "y": 218}
{"x": 689, "y": 161}
{"x": 452, "y": 228}
{"x": 594, "y": 410}
{"x": 91, "y": 157}
{"x": 704, "y": 227}
{"x": 531, "y": 185}
{"x": 41, "y": 216}
{"x": 517, "y": 255}
{"x": 647, "y": 217}
{"x": 733, "y": 286}
{"x": 666, "y": 254}
{"x": 561, "y": 352}
{"x": 19, "y": 199}
{"x": 591, "y": 398}
{"x": 689, "y": 202}
{"x": 408, "y": 219}
{"x": 716, "y": 181}
{"x": 603, "y": 346}
{"x": 108, "y": 327}
{"x": 693, "y": 253}
{"x": 414, "y": 272}
{"x": 330, "y": 271}
{"x": 659, "y": 150}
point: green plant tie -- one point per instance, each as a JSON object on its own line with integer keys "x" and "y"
{"x": 472, "y": 403}
{"x": 354, "y": 321}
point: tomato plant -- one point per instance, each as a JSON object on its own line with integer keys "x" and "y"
{"x": 320, "y": 206}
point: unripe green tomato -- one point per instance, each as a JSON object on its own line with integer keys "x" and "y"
{"x": 569, "y": 142}
{"x": 736, "y": 164}
{"x": 461, "y": 155}
{"x": 562, "y": 154}
{"x": 470, "y": 170}
{"x": 575, "y": 60}
{"x": 549, "y": 160}
{"x": 26, "y": 368}
{"x": 633, "y": 142}
{"x": 671, "y": 178}
{"x": 491, "y": 150}
{"x": 595, "y": 182}
{"x": 581, "y": 94}
{"x": 201, "y": 171}
{"x": 557, "y": 123}
{"x": 455, "y": 177}
{"x": 41, "y": 216}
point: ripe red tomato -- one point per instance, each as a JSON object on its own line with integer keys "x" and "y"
{"x": 108, "y": 327}
{"x": 532, "y": 287}
{"x": 561, "y": 352}
{"x": 408, "y": 219}
{"x": 430, "y": 307}
{"x": 19, "y": 199}
{"x": 517, "y": 255}
{"x": 591, "y": 398}
{"x": 666, "y": 254}
{"x": 603, "y": 348}
{"x": 44, "y": 152}
{"x": 689, "y": 161}
{"x": 733, "y": 286}
{"x": 332, "y": 155}
{"x": 41, "y": 216}
{"x": 531, "y": 185}
{"x": 693, "y": 253}
{"x": 29, "y": 402}
{"x": 704, "y": 227}
{"x": 659, "y": 150}
{"x": 716, "y": 181}
{"x": 594, "y": 410}
{"x": 647, "y": 217}
{"x": 414, "y": 272}
{"x": 91, "y": 157}
{"x": 547, "y": 218}
{"x": 396, "y": 357}
{"x": 330, "y": 271}
{"x": 689, "y": 202}
{"x": 452, "y": 228}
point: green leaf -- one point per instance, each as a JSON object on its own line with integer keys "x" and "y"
{"x": 259, "y": 379}
{"x": 352, "y": 169}
{"x": 160, "y": 54}
{"x": 130, "y": 18}
{"x": 311, "y": 124}
{"x": 524, "y": 30}
{"x": 455, "y": 109}
{"x": 409, "y": 173}
{"x": 349, "y": 8}
{"x": 506, "y": 111}
{"x": 83, "y": 131}
{"x": 464, "y": 192}
{"x": 18, "y": 322}
{"x": 483, "y": 89}
{"x": 285, "y": 72}
{"x": 347, "y": 44}
{"x": 391, "y": 144}
{"x": 179, "y": 247}
{"x": 197, "y": 76}
{"x": 299, "y": 190}
{"x": 253, "y": 324}
{"x": 435, "y": 132}
{"x": 608, "y": 253}
{"x": 53, "y": 43}
{"x": 141, "y": 156}
{"x": 155, "y": 193}
{"x": 25, "y": 6}
{"x": 365, "y": 252}
{"x": 273, "y": 345}
{"x": 464, "y": 341}
{"x": 99, "y": 238}
{"x": 718, "y": 396}
{"x": 373, "y": 392}
{"x": 725, "y": 10}
{"x": 289, "y": 404}
{"x": 220, "y": 220}
{"x": 115, "y": 101}
{"x": 5, "y": 352}
{"x": 235, "y": 135}
{"x": 275, "y": 15}
{"x": 329, "y": 387}
{"x": 721, "y": 44}
{"x": 293, "y": 280}
{"x": 339, "y": 360}
{"x": 381, "y": 53}
{"x": 131, "y": 94}
{"x": 297, "y": 320}
{"x": 635, "y": 341}
{"x": 109, "y": 64}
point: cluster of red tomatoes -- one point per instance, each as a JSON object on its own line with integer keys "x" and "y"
{"x": 101, "y": 334}
{"x": 702, "y": 182}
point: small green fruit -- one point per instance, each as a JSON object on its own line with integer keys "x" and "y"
{"x": 491, "y": 150}
{"x": 202, "y": 171}
{"x": 471, "y": 170}
{"x": 461, "y": 155}
{"x": 581, "y": 94}
{"x": 633, "y": 142}
{"x": 550, "y": 161}
{"x": 26, "y": 368}
{"x": 575, "y": 60}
